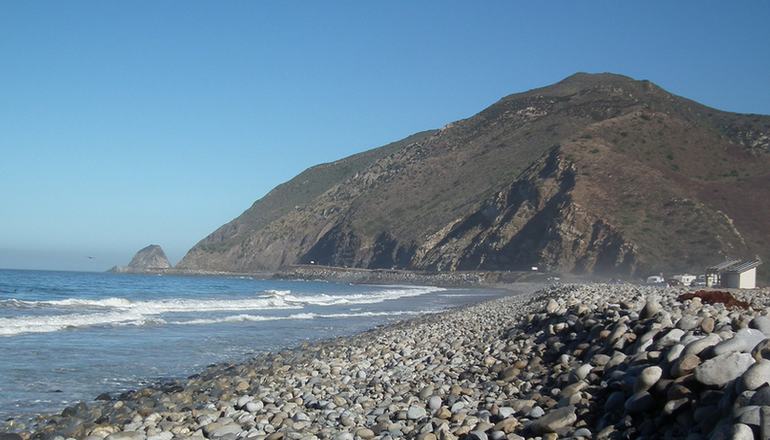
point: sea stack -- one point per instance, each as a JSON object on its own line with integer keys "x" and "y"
{"x": 148, "y": 259}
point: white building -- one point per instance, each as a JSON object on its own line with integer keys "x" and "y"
{"x": 735, "y": 274}
{"x": 686, "y": 279}
{"x": 742, "y": 275}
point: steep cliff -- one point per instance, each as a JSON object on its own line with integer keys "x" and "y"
{"x": 598, "y": 173}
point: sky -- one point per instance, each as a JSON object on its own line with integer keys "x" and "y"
{"x": 129, "y": 123}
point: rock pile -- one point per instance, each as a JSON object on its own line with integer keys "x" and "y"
{"x": 588, "y": 361}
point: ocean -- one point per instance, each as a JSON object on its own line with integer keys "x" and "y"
{"x": 69, "y": 336}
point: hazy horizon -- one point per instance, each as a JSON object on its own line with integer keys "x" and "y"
{"x": 157, "y": 123}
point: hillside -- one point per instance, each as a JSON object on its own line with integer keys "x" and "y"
{"x": 597, "y": 173}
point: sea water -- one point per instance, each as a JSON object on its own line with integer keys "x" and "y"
{"x": 69, "y": 336}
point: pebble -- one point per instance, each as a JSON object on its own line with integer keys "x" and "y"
{"x": 651, "y": 307}
{"x": 742, "y": 432}
{"x": 583, "y": 371}
{"x": 685, "y": 365}
{"x": 744, "y": 341}
{"x": 761, "y": 323}
{"x": 551, "y": 307}
{"x": 699, "y": 345}
{"x": 647, "y": 378}
{"x": 554, "y": 420}
{"x": 638, "y": 402}
{"x": 416, "y": 412}
{"x": 707, "y": 324}
{"x": 756, "y": 375}
{"x": 434, "y": 403}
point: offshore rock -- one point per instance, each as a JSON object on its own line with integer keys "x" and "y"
{"x": 150, "y": 259}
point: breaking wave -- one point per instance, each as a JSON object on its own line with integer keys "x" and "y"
{"x": 242, "y": 317}
{"x": 78, "y": 312}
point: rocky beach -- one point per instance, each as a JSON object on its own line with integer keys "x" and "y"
{"x": 589, "y": 361}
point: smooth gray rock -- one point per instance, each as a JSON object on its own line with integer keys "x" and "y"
{"x": 243, "y": 400}
{"x": 126, "y": 435}
{"x": 674, "y": 353}
{"x": 761, "y": 397}
{"x": 416, "y": 413}
{"x": 671, "y": 337}
{"x": 744, "y": 341}
{"x": 223, "y": 429}
{"x": 254, "y": 406}
{"x": 749, "y": 415}
{"x": 684, "y": 365}
{"x": 582, "y": 371}
{"x": 477, "y": 435}
{"x": 688, "y": 322}
{"x": 651, "y": 307}
{"x": 434, "y": 403}
{"x": 756, "y": 376}
{"x": 554, "y": 420}
{"x": 647, "y": 378}
{"x": 761, "y": 323}
{"x": 638, "y": 402}
{"x": 764, "y": 417}
{"x": 697, "y": 346}
{"x": 761, "y": 350}
{"x": 723, "y": 368}
{"x": 673, "y": 406}
{"x": 742, "y": 432}
{"x": 582, "y": 432}
{"x": 551, "y": 307}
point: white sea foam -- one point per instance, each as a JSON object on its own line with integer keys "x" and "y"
{"x": 361, "y": 298}
{"x": 52, "y": 323}
{"x": 173, "y": 305}
{"x": 122, "y": 311}
{"x": 259, "y": 318}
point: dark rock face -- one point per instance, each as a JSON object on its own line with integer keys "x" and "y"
{"x": 535, "y": 222}
{"x": 595, "y": 174}
{"x": 148, "y": 259}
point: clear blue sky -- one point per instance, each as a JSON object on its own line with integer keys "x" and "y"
{"x": 129, "y": 123}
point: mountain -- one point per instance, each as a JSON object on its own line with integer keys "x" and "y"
{"x": 148, "y": 259}
{"x": 599, "y": 173}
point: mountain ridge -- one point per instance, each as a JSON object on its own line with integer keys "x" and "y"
{"x": 598, "y": 173}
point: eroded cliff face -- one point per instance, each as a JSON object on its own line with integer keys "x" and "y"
{"x": 535, "y": 222}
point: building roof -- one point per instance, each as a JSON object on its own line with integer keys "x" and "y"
{"x": 743, "y": 266}
{"x": 722, "y": 266}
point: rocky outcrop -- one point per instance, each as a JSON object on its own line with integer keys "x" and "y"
{"x": 148, "y": 259}
{"x": 534, "y": 222}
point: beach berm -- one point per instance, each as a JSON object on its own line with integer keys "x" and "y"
{"x": 592, "y": 361}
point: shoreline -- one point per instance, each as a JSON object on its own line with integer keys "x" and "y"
{"x": 460, "y": 279}
{"x": 41, "y": 418}
{"x": 579, "y": 361}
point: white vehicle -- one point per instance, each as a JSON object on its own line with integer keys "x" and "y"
{"x": 655, "y": 279}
